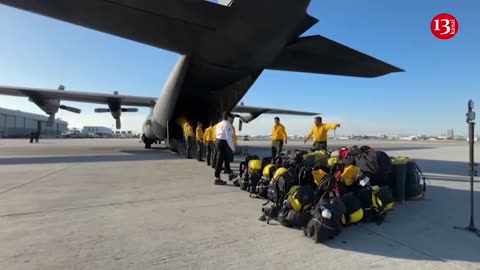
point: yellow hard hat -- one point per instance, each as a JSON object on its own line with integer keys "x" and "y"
{"x": 349, "y": 174}
{"x": 255, "y": 164}
{"x": 318, "y": 175}
{"x": 266, "y": 170}
{"x": 279, "y": 172}
{"x": 333, "y": 160}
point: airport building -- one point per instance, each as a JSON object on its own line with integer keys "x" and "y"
{"x": 98, "y": 131}
{"x": 18, "y": 124}
{"x": 450, "y": 134}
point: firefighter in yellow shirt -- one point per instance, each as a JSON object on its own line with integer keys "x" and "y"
{"x": 189, "y": 138}
{"x": 279, "y": 137}
{"x": 319, "y": 134}
{"x": 200, "y": 144}
{"x": 208, "y": 137}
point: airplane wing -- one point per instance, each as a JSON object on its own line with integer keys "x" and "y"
{"x": 255, "y": 110}
{"x": 317, "y": 54}
{"x": 77, "y": 96}
{"x": 174, "y": 25}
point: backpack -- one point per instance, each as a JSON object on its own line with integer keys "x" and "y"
{"x": 268, "y": 171}
{"x": 266, "y": 161}
{"x": 301, "y": 198}
{"x": 326, "y": 220}
{"x": 375, "y": 164}
{"x": 244, "y": 164}
{"x": 283, "y": 179}
{"x": 261, "y": 190}
{"x": 316, "y": 159}
{"x": 348, "y": 155}
{"x": 414, "y": 189}
{"x": 306, "y": 176}
{"x": 290, "y": 218}
{"x": 375, "y": 202}
{"x": 245, "y": 172}
{"x": 272, "y": 193}
{"x": 326, "y": 188}
{"x": 354, "y": 211}
{"x": 253, "y": 180}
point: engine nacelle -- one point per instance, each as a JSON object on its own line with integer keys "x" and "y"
{"x": 49, "y": 106}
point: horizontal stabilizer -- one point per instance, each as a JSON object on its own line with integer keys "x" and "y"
{"x": 317, "y": 54}
{"x": 261, "y": 110}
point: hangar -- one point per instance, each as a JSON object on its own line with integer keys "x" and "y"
{"x": 18, "y": 124}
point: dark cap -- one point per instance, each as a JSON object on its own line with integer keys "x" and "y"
{"x": 227, "y": 115}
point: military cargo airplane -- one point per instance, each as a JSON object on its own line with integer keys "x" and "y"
{"x": 223, "y": 48}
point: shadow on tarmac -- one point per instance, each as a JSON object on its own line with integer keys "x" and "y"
{"x": 133, "y": 155}
{"x": 421, "y": 230}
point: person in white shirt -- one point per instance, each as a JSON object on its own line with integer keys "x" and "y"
{"x": 224, "y": 146}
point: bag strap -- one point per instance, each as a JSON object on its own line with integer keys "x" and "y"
{"x": 242, "y": 168}
{"x": 423, "y": 177}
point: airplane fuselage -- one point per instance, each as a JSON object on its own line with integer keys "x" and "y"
{"x": 231, "y": 60}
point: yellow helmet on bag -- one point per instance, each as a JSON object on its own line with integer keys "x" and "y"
{"x": 266, "y": 170}
{"x": 349, "y": 175}
{"x": 318, "y": 175}
{"x": 279, "y": 172}
{"x": 255, "y": 164}
{"x": 333, "y": 160}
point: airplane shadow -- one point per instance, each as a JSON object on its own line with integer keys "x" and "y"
{"x": 419, "y": 230}
{"x": 133, "y": 155}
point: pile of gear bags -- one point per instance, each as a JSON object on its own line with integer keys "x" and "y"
{"x": 321, "y": 193}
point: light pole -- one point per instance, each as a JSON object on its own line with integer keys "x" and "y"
{"x": 473, "y": 172}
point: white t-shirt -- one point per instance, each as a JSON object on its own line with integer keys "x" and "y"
{"x": 224, "y": 131}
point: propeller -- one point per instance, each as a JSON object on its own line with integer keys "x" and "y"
{"x": 102, "y": 110}
{"x": 129, "y": 110}
{"x": 116, "y": 114}
{"x": 70, "y": 109}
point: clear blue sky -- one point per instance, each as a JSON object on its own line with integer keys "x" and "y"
{"x": 430, "y": 97}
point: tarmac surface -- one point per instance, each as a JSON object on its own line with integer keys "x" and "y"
{"x": 110, "y": 204}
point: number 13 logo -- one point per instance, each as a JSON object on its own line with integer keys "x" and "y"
{"x": 444, "y": 26}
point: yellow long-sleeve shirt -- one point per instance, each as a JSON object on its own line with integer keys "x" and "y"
{"x": 279, "y": 133}
{"x": 187, "y": 130}
{"x": 207, "y": 135}
{"x": 319, "y": 133}
{"x": 199, "y": 134}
